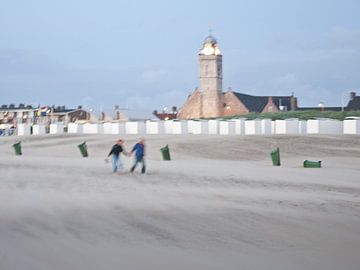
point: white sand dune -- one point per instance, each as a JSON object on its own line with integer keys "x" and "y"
{"x": 219, "y": 204}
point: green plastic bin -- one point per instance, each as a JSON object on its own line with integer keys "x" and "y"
{"x": 17, "y": 147}
{"x": 83, "y": 149}
{"x": 312, "y": 164}
{"x": 165, "y": 151}
{"x": 275, "y": 157}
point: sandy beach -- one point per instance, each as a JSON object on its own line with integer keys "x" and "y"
{"x": 219, "y": 204}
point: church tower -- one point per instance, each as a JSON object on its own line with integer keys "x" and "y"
{"x": 207, "y": 100}
{"x": 210, "y": 78}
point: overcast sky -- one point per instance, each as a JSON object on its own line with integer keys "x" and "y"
{"x": 144, "y": 54}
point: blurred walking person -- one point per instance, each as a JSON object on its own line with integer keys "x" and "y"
{"x": 139, "y": 149}
{"x": 115, "y": 152}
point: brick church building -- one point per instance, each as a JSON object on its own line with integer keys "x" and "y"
{"x": 209, "y": 100}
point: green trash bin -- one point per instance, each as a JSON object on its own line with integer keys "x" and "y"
{"x": 17, "y": 147}
{"x": 83, "y": 149}
{"x": 312, "y": 164}
{"x": 165, "y": 151}
{"x": 275, "y": 157}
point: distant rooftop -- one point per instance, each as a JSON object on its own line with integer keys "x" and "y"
{"x": 14, "y": 107}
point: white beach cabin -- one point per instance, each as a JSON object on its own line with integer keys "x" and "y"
{"x": 253, "y": 127}
{"x": 287, "y": 126}
{"x": 57, "y": 128}
{"x": 39, "y": 129}
{"x": 352, "y": 125}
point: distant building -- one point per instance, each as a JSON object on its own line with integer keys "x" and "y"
{"x": 11, "y": 114}
{"x": 239, "y": 104}
{"x": 166, "y": 115}
{"x": 320, "y": 108}
{"x": 61, "y": 114}
{"x": 209, "y": 101}
{"x": 354, "y": 103}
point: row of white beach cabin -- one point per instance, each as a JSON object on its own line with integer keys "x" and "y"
{"x": 222, "y": 127}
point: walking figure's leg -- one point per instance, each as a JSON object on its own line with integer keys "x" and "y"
{"x": 134, "y": 166}
{"x": 143, "y": 166}
{"x": 114, "y": 163}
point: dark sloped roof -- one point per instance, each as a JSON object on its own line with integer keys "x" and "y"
{"x": 257, "y": 103}
{"x": 283, "y": 101}
{"x": 58, "y": 110}
{"x": 253, "y": 103}
{"x": 354, "y": 104}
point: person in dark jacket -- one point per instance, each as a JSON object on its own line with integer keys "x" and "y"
{"x": 139, "y": 150}
{"x": 115, "y": 151}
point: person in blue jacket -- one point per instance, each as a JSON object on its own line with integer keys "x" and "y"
{"x": 139, "y": 149}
